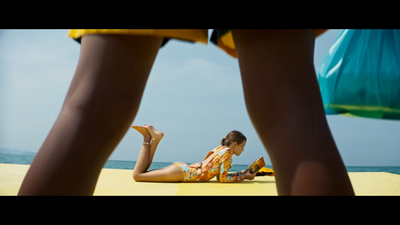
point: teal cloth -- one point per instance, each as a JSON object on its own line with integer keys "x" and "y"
{"x": 360, "y": 74}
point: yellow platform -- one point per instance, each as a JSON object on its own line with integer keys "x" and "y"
{"x": 120, "y": 182}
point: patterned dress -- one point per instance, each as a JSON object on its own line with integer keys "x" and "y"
{"x": 219, "y": 165}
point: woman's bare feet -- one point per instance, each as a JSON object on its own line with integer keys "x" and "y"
{"x": 143, "y": 130}
{"x": 155, "y": 134}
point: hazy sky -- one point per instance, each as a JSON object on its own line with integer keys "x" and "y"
{"x": 194, "y": 95}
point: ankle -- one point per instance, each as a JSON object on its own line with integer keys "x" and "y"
{"x": 147, "y": 139}
{"x": 155, "y": 140}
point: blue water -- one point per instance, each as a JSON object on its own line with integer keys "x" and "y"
{"x": 119, "y": 164}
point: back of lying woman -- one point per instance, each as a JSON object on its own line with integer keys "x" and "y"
{"x": 215, "y": 164}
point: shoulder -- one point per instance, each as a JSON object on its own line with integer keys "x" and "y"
{"x": 223, "y": 150}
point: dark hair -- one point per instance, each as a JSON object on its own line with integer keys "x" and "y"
{"x": 233, "y": 136}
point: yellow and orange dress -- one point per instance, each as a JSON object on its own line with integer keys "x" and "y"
{"x": 218, "y": 166}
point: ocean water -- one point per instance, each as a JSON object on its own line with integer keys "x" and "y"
{"x": 119, "y": 164}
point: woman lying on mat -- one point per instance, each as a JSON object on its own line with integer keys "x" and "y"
{"x": 216, "y": 163}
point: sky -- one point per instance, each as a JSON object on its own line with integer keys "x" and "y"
{"x": 193, "y": 95}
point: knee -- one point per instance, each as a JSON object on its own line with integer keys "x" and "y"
{"x": 137, "y": 177}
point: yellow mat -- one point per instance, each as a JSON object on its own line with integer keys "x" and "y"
{"x": 120, "y": 182}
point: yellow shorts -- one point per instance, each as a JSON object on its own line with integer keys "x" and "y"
{"x": 220, "y": 37}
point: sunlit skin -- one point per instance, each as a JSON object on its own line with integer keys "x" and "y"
{"x": 171, "y": 173}
{"x": 237, "y": 148}
{"x": 282, "y": 99}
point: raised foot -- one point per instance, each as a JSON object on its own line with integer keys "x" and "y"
{"x": 155, "y": 134}
{"x": 142, "y": 130}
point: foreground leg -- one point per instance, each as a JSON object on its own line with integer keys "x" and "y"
{"x": 101, "y": 103}
{"x": 285, "y": 106}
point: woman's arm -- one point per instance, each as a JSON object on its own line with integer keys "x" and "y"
{"x": 224, "y": 175}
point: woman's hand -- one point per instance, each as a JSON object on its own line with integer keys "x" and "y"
{"x": 248, "y": 175}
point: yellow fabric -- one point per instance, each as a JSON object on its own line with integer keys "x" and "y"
{"x": 265, "y": 169}
{"x": 120, "y": 182}
{"x": 218, "y": 167}
{"x": 196, "y": 35}
{"x": 265, "y": 172}
{"x": 209, "y": 153}
{"x": 226, "y": 42}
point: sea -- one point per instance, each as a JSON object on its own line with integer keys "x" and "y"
{"x": 129, "y": 165}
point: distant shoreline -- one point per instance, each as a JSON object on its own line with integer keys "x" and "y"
{"x": 33, "y": 154}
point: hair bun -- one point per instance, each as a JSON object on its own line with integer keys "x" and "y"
{"x": 223, "y": 141}
{"x": 233, "y": 136}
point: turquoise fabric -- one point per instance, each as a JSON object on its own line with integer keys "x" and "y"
{"x": 360, "y": 74}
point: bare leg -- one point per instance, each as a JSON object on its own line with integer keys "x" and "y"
{"x": 149, "y": 133}
{"x": 101, "y": 103}
{"x": 156, "y": 137}
{"x": 285, "y": 106}
{"x": 142, "y": 163}
{"x": 168, "y": 174}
